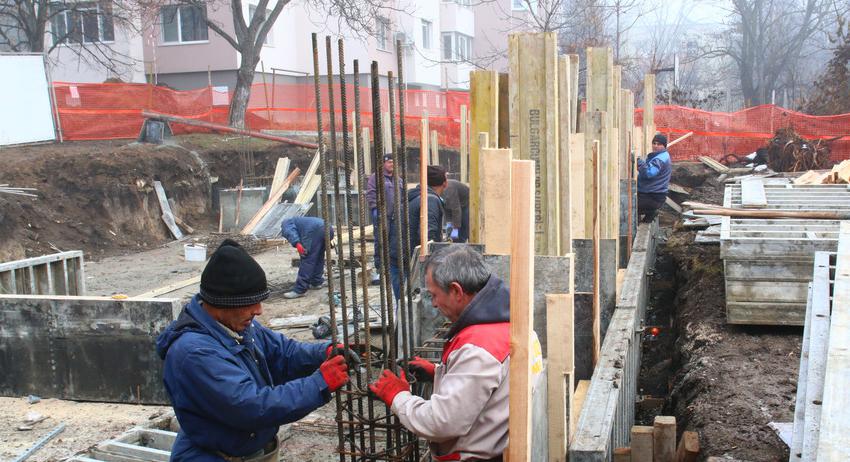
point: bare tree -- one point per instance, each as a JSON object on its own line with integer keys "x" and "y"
{"x": 766, "y": 39}
{"x": 87, "y": 28}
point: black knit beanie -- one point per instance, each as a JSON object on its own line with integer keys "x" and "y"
{"x": 232, "y": 278}
{"x": 660, "y": 139}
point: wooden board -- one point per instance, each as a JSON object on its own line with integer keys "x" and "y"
{"x": 578, "y": 190}
{"x": 274, "y": 198}
{"x": 423, "y": 182}
{"x": 495, "y": 199}
{"x": 484, "y": 116}
{"x": 464, "y": 145}
{"x": 307, "y": 191}
{"x": 834, "y": 440}
{"x": 688, "y": 448}
{"x": 752, "y": 193}
{"x": 564, "y": 160}
{"x": 648, "y": 111}
{"x": 534, "y": 126}
{"x": 167, "y": 216}
{"x": 642, "y": 443}
{"x": 560, "y": 367}
{"x": 664, "y": 438}
{"x": 281, "y": 171}
{"x": 578, "y": 402}
{"x": 522, "y": 313}
{"x": 435, "y": 148}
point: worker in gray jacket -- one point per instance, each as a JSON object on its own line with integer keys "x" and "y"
{"x": 456, "y": 199}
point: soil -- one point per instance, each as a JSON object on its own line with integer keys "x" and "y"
{"x": 725, "y": 382}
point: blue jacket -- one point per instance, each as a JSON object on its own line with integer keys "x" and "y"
{"x": 303, "y": 230}
{"x": 232, "y": 396}
{"x": 435, "y": 216}
{"x": 654, "y": 174}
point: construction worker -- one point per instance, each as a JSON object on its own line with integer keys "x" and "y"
{"x": 233, "y": 382}
{"x": 467, "y": 415}
{"x": 436, "y": 177}
{"x": 653, "y": 179}
{"x": 390, "y": 195}
{"x": 307, "y": 235}
{"x": 456, "y": 198}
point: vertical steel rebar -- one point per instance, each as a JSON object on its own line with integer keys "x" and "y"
{"x": 328, "y": 265}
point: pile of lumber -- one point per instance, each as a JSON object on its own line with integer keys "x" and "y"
{"x": 5, "y": 188}
{"x": 789, "y": 152}
{"x": 840, "y": 174}
{"x": 658, "y": 443}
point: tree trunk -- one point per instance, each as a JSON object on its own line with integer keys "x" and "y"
{"x": 242, "y": 91}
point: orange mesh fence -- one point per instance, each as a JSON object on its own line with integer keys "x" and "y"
{"x": 113, "y": 110}
{"x": 717, "y": 134}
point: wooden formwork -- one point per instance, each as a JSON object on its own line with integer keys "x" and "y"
{"x": 767, "y": 267}
{"x": 55, "y": 274}
{"x": 832, "y": 197}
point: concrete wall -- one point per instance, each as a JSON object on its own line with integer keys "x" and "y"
{"x": 83, "y": 348}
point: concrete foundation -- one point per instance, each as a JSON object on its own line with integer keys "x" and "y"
{"x": 60, "y": 273}
{"x": 83, "y": 348}
{"x": 251, "y": 200}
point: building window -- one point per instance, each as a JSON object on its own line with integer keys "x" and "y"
{"x": 383, "y": 34}
{"x": 518, "y": 5}
{"x": 85, "y": 22}
{"x": 184, "y": 23}
{"x": 252, "y": 9}
{"x": 448, "y": 55}
{"x": 426, "y": 35}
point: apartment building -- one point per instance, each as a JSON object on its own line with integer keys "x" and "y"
{"x": 494, "y": 21}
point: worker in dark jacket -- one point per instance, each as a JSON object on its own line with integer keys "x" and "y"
{"x": 436, "y": 186}
{"x": 390, "y": 195}
{"x": 653, "y": 179}
{"x": 456, "y": 198}
{"x": 233, "y": 382}
{"x": 307, "y": 235}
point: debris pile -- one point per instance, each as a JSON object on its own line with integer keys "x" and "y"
{"x": 788, "y": 152}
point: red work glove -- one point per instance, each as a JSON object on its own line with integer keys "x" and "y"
{"x": 335, "y": 372}
{"x": 422, "y": 369}
{"x": 330, "y": 351}
{"x": 300, "y": 249}
{"x": 389, "y": 385}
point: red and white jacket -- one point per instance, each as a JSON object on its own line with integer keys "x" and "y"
{"x": 466, "y": 417}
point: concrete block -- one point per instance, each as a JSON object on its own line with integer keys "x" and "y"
{"x": 83, "y": 348}
{"x": 251, "y": 200}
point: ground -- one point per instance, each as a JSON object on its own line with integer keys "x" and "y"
{"x": 724, "y": 382}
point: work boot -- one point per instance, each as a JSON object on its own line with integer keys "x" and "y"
{"x": 292, "y": 294}
{"x": 376, "y": 278}
{"x": 318, "y": 286}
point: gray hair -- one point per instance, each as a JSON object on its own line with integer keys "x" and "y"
{"x": 458, "y": 263}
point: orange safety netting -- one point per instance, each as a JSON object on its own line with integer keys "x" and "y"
{"x": 113, "y": 110}
{"x": 717, "y": 134}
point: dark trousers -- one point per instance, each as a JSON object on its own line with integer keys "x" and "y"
{"x": 376, "y": 242}
{"x": 463, "y": 233}
{"x": 649, "y": 203}
{"x": 311, "y": 269}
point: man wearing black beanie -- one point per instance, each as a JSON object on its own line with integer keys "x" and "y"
{"x": 653, "y": 179}
{"x": 233, "y": 382}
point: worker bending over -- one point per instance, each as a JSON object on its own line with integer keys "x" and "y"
{"x": 307, "y": 235}
{"x": 233, "y": 382}
{"x": 653, "y": 179}
{"x": 456, "y": 198}
{"x": 467, "y": 415}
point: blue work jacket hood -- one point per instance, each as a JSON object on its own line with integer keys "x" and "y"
{"x": 490, "y": 305}
{"x": 230, "y": 396}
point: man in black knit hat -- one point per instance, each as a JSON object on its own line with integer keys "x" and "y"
{"x": 653, "y": 179}
{"x": 233, "y": 382}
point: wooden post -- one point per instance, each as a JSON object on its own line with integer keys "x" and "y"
{"x": 642, "y": 443}
{"x": 495, "y": 200}
{"x": 435, "y": 149}
{"x": 648, "y": 112}
{"x": 367, "y": 151}
{"x": 355, "y": 178}
{"x": 483, "y": 117}
{"x": 423, "y": 190}
{"x": 664, "y": 438}
{"x": 564, "y": 157}
{"x": 388, "y": 135}
{"x": 578, "y": 191}
{"x": 534, "y": 126}
{"x": 464, "y": 146}
{"x": 595, "y": 329}
{"x": 574, "y": 101}
{"x": 266, "y": 94}
{"x": 688, "y": 448}
{"x": 522, "y": 312}
{"x": 559, "y": 332}
{"x": 623, "y": 455}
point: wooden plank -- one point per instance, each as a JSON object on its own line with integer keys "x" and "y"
{"x": 673, "y": 205}
{"x": 648, "y": 111}
{"x": 578, "y": 402}
{"x": 596, "y": 310}
{"x": 423, "y": 185}
{"x": 387, "y": 134}
{"x": 503, "y": 128}
{"x": 680, "y": 139}
{"x": 593, "y": 132}
{"x": 642, "y": 443}
{"x": 495, "y": 174}
{"x": 688, "y": 449}
{"x": 560, "y": 341}
{"x": 281, "y": 171}
{"x": 435, "y": 149}
{"x": 367, "y": 152}
{"x": 564, "y": 159}
{"x": 713, "y": 164}
{"x": 534, "y": 126}
{"x": 664, "y": 438}
{"x": 818, "y": 344}
{"x": 274, "y": 198}
{"x": 834, "y": 439}
{"x": 484, "y": 115}
{"x": 574, "y": 101}
{"x": 752, "y": 193}
{"x": 577, "y": 187}
{"x": 170, "y": 288}
{"x": 464, "y": 145}
{"x": 622, "y": 455}
{"x": 355, "y": 145}
{"x": 308, "y": 188}
{"x": 167, "y": 216}
{"x": 521, "y": 306}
